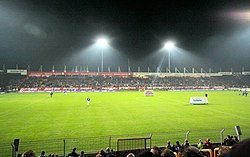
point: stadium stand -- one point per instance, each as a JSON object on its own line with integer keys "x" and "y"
{"x": 14, "y": 82}
{"x": 121, "y": 80}
{"x": 132, "y": 83}
{"x": 10, "y": 82}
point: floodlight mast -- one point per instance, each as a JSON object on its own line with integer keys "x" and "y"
{"x": 102, "y": 42}
{"x": 169, "y": 45}
{"x": 102, "y": 60}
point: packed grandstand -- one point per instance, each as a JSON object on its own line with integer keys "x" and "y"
{"x": 114, "y": 81}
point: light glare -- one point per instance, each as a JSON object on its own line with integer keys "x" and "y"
{"x": 243, "y": 15}
{"x": 102, "y": 42}
{"x": 169, "y": 45}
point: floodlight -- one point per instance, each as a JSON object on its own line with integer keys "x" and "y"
{"x": 169, "y": 45}
{"x": 102, "y": 42}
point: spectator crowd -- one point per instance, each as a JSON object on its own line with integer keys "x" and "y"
{"x": 97, "y": 82}
{"x": 240, "y": 148}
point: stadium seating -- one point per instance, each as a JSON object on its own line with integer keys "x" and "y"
{"x": 132, "y": 83}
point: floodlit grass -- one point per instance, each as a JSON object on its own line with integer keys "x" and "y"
{"x": 37, "y": 116}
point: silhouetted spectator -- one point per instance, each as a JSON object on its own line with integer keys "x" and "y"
{"x": 146, "y": 154}
{"x": 109, "y": 151}
{"x": 185, "y": 144}
{"x": 73, "y": 153}
{"x": 222, "y": 150}
{"x": 240, "y": 149}
{"x": 42, "y": 154}
{"x": 103, "y": 154}
{"x": 156, "y": 151}
{"x": 98, "y": 154}
{"x": 200, "y": 145}
{"x": 191, "y": 151}
{"x": 29, "y": 153}
{"x": 167, "y": 153}
{"x": 130, "y": 155}
{"x": 177, "y": 147}
{"x": 82, "y": 154}
{"x": 169, "y": 146}
{"x": 236, "y": 139}
{"x": 207, "y": 144}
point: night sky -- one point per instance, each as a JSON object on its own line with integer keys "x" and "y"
{"x": 207, "y": 34}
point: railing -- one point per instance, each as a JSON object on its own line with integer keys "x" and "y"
{"x": 63, "y": 147}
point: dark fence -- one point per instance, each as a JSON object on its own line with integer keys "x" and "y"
{"x": 89, "y": 145}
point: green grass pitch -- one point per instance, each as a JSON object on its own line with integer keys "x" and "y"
{"x": 36, "y": 116}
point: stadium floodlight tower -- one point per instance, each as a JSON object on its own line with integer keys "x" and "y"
{"x": 102, "y": 42}
{"x": 169, "y": 45}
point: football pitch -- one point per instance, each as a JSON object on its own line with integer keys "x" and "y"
{"x": 36, "y": 116}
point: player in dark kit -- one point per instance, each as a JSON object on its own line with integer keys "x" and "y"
{"x": 244, "y": 93}
{"x": 51, "y": 94}
{"x": 88, "y": 101}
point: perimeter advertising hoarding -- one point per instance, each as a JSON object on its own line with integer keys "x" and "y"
{"x": 246, "y": 73}
{"x": 198, "y": 100}
{"x": 226, "y": 73}
{"x": 47, "y": 74}
{"x": 17, "y": 71}
{"x": 73, "y": 89}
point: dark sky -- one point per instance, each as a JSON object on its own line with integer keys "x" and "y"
{"x": 207, "y": 34}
